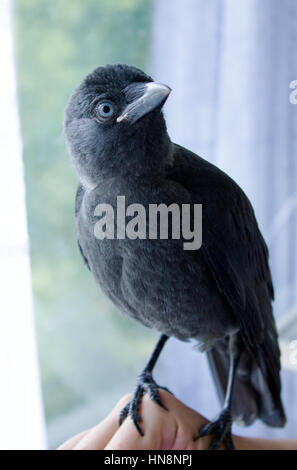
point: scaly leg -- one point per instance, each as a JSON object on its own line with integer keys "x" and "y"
{"x": 221, "y": 427}
{"x": 145, "y": 384}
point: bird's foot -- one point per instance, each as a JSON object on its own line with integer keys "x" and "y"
{"x": 145, "y": 384}
{"x": 221, "y": 431}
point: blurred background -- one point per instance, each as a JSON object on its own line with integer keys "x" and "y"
{"x": 230, "y": 64}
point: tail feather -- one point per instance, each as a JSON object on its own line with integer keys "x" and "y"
{"x": 266, "y": 377}
{"x": 245, "y": 407}
{"x": 256, "y": 391}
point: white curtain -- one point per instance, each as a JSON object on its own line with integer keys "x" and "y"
{"x": 230, "y": 64}
{"x": 21, "y": 413}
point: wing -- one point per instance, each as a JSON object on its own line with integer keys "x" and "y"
{"x": 237, "y": 256}
{"x": 233, "y": 247}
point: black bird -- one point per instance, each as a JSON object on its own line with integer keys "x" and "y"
{"x": 219, "y": 294}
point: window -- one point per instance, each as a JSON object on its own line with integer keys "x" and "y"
{"x": 86, "y": 348}
{"x": 229, "y": 65}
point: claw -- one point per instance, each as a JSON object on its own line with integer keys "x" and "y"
{"x": 221, "y": 428}
{"x": 146, "y": 384}
{"x": 124, "y": 413}
{"x": 229, "y": 442}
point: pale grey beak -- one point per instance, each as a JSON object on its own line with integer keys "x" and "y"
{"x": 143, "y": 98}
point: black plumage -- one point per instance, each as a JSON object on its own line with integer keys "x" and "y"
{"x": 220, "y": 294}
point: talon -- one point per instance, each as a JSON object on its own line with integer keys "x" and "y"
{"x": 138, "y": 428}
{"x": 229, "y": 442}
{"x": 146, "y": 384}
{"x": 221, "y": 428}
{"x": 123, "y": 414}
{"x": 203, "y": 432}
{"x": 154, "y": 395}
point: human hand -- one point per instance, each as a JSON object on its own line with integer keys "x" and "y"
{"x": 174, "y": 429}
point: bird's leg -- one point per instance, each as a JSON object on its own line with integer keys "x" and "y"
{"x": 220, "y": 428}
{"x": 145, "y": 384}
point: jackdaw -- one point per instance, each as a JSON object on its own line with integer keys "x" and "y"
{"x": 220, "y": 294}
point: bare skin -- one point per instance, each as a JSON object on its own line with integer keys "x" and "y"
{"x": 163, "y": 430}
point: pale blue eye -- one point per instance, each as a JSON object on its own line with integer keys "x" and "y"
{"x": 105, "y": 109}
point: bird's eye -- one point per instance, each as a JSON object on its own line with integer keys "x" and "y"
{"x": 105, "y": 109}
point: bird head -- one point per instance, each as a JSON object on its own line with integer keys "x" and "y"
{"x": 114, "y": 125}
